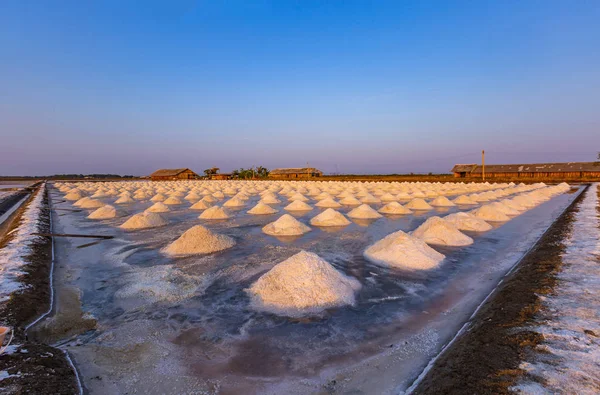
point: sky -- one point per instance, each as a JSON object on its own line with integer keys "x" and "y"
{"x": 355, "y": 87}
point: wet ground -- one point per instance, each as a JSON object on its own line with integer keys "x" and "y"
{"x": 163, "y": 325}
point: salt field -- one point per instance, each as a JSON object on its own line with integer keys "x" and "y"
{"x": 283, "y": 286}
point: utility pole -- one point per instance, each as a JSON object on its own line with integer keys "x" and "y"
{"x": 483, "y": 164}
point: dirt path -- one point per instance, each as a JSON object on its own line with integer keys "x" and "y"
{"x": 485, "y": 360}
{"x": 28, "y": 366}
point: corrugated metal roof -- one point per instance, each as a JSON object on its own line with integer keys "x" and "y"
{"x": 296, "y": 170}
{"x": 168, "y": 172}
{"x": 464, "y": 168}
{"x": 534, "y": 168}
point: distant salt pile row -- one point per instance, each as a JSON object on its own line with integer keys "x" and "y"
{"x": 412, "y": 251}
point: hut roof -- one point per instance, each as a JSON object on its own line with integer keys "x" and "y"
{"x": 464, "y": 168}
{"x": 295, "y": 170}
{"x": 531, "y": 168}
{"x": 168, "y": 172}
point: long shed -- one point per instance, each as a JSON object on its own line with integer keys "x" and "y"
{"x": 174, "y": 174}
{"x": 535, "y": 170}
{"x": 295, "y": 172}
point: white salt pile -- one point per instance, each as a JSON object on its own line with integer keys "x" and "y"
{"x": 418, "y": 204}
{"x": 328, "y": 203}
{"x": 74, "y": 195}
{"x": 468, "y": 222}
{"x": 198, "y": 240}
{"x": 364, "y": 211}
{"x": 262, "y": 209}
{"x": 144, "y": 220}
{"x": 350, "y": 201}
{"x": 270, "y": 199}
{"x": 125, "y": 199}
{"x": 298, "y": 205}
{"x": 504, "y": 208}
{"x": 105, "y": 212}
{"x": 330, "y": 217}
{"x": 436, "y": 231}
{"x": 81, "y": 201}
{"x": 234, "y": 202}
{"x": 91, "y": 203}
{"x": 158, "y": 207}
{"x": 199, "y": 205}
{"x": 403, "y": 251}
{"x": 442, "y": 201}
{"x": 394, "y": 208}
{"x": 488, "y": 213}
{"x": 302, "y": 284}
{"x": 464, "y": 200}
{"x": 214, "y": 212}
{"x": 286, "y": 225}
{"x": 159, "y": 197}
{"x": 172, "y": 201}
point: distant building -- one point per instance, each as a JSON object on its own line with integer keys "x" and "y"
{"x": 295, "y": 172}
{"x": 537, "y": 170}
{"x": 174, "y": 174}
{"x": 221, "y": 176}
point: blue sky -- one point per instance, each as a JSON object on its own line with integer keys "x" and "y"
{"x": 349, "y": 86}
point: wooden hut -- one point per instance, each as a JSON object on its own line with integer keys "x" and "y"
{"x": 174, "y": 174}
{"x": 221, "y": 176}
{"x": 295, "y": 172}
{"x": 537, "y": 170}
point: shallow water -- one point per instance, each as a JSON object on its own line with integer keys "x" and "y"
{"x": 184, "y": 325}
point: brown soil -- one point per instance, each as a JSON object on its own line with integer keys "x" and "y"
{"x": 37, "y": 368}
{"x": 485, "y": 360}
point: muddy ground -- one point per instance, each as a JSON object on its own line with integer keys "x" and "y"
{"x": 33, "y": 368}
{"x": 485, "y": 360}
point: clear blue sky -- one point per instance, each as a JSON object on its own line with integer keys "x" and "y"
{"x": 357, "y": 86}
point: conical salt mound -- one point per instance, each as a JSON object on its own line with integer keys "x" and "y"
{"x": 403, "y": 251}
{"x": 81, "y": 201}
{"x": 105, "y": 212}
{"x": 330, "y": 217}
{"x": 370, "y": 199}
{"x": 262, "y": 209}
{"x": 418, "y": 204}
{"x": 214, "y": 212}
{"x": 328, "y": 203}
{"x": 198, "y": 240}
{"x": 436, "y": 231}
{"x": 125, "y": 199}
{"x": 364, "y": 211}
{"x": 468, "y": 222}
{"x": 192, "y": 197}
{"x": 388, "y": 197}
{"x": 491, "y": 214}
{"x": 158, "y": 207}
{"x": 298, "y": 205}
{"x": 74, "y": 195}
{"x": 199, "y": 205}
{"x": 302, "y": 284}
{"x": 270, "y": 199}
{"x": 234, "y": 202}
{"x": 394, "y": 208}
{"x": 286, "y": 225}
{"x": 144, "y": 220}
{"x": 90, "y": 203}
{"x": 350, "y": 201}
{"x": 159, "y": 197}
{"x": 504, "y": 209}
{"x": 442, "y": 201}
{"x": 172, "y": 201}
{"x": 464, "y": 200}
{"x": 298, "y": 196}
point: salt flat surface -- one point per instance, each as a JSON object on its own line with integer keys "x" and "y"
{"x": 187, "y": 324}
{"x": 568, "y": 361}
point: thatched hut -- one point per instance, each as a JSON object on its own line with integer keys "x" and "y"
{"x": 295, "y": 172}
{"x": 174, "y": 174}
